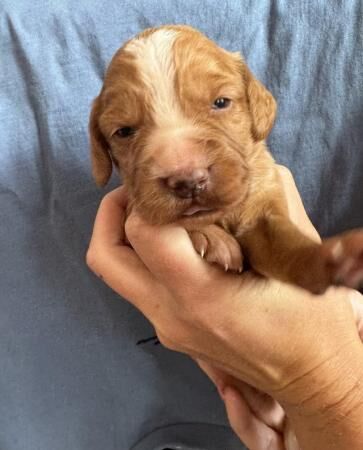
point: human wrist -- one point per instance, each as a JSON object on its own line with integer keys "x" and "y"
{"x": 328, "y": 382}
{"x": 325, "y": 407}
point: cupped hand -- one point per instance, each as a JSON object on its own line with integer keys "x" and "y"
{"x": 272, "y": 336}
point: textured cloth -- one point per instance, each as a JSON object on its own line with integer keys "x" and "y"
{"x": 71, "y": 376}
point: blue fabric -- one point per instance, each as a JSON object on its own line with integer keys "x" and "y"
{"x": 71, "y": 376}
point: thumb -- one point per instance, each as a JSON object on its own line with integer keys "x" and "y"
{"x": 254, "y": 433}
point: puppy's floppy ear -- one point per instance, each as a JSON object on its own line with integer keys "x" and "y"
{"x": 262, "y": 107}
{"x": 100, "y": 156}
{"x": 261, "y": 102}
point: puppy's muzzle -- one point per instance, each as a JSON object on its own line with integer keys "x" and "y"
{"x": 188, "y": 184}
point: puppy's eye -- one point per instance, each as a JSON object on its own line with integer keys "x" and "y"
{"x": 221, "y": 103}
{"x": 125, "y": 132}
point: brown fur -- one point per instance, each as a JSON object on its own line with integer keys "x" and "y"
{"x": 245, "y": 194}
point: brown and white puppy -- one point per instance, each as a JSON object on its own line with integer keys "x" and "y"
{"x": 184, "y": 121}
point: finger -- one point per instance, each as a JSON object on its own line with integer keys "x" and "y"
{"x": 295, "y": 205}
{"x": 255, "y": 434}
{"x": 123, "y": 271}
{"x": 290, "y": 439}
{"x": 168, "y": 253}
{"x": 109, "y": 223}
{"x": 262, "y": 405}
{"x": 268, "y": 410}
{"x": 116, "y": 263}
{"x": 356, "y": 300}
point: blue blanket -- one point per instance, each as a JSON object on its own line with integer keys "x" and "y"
{"x": 71, "y": 376}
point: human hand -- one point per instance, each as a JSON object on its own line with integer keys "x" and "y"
{"x": 257, "y": 419}
{"x": 221, "y": 318}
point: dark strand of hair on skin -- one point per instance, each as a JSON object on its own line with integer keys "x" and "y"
{"x": 149, "y": 339}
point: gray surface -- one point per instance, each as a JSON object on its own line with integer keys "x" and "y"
{"x": 188, "y": 436}
{"x": 71, "y": 376}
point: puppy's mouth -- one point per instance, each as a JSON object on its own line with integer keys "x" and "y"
{"x": 197, "y": 210}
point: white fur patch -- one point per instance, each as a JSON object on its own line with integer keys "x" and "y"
{"x": 154, "y": 57}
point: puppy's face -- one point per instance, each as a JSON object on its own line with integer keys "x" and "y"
{"x": 180, "y": 118}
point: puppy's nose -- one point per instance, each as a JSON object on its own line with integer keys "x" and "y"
{"x": 188, "y": 185}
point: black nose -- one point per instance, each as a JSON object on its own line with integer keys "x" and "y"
{"x": 188, "y": 185}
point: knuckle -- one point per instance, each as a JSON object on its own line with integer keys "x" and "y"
{"x": 92, "y": 259}
{"x": 107, "y": 197}
{"x": 132, "y": 227}
{"x": 168, "y": 342}
{"x": 177, "y": 337}
{"x": 129, "y": 228}
{"x": 284, "y": 171}
{"x": 104, "y": 201}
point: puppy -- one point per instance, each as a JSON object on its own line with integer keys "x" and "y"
{"x": 184, "y": 121}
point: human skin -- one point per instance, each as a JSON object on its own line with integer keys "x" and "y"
{"x": 258, "y": 419}
{"x": 303, "y": 350}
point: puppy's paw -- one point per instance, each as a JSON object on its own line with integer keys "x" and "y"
{"x": 343, "y": 257}
{"x": 217, "y": 246}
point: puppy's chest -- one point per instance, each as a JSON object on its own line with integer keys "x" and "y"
{"x": 235, "y": 223}
{"x": 259, "y": 203}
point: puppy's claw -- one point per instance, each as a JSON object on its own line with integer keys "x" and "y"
{"x": 202, "y": 253}
{"x": 226, "y": 267}
{"x": 240, "y": 269}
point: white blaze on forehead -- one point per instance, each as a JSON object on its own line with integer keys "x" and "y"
{"x": 154, "y": 57}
